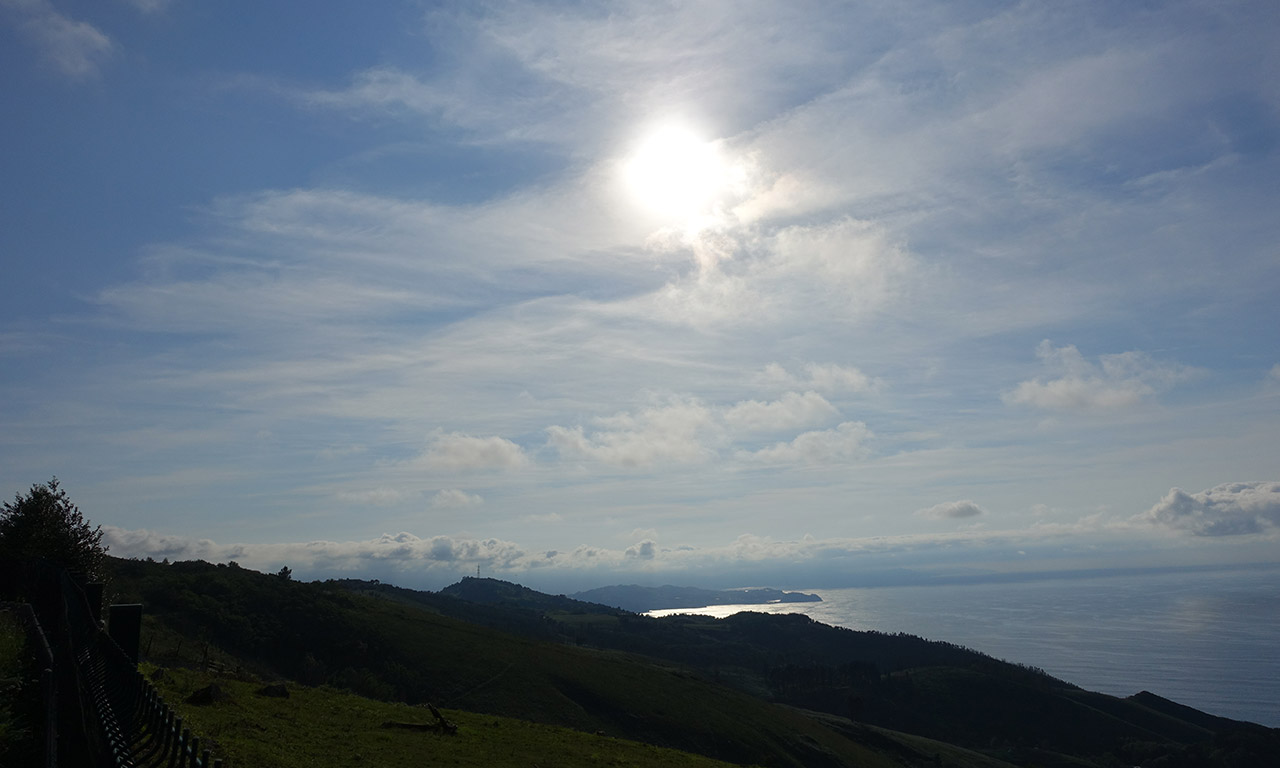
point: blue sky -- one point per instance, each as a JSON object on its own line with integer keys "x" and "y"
{"x": 719, "y": 293}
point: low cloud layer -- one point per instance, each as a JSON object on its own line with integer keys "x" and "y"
{"x": 413, "y": 560}
{"x": 1232, "y": 509}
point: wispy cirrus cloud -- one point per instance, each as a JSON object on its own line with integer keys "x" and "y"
{"x": 149, "y": 6}
{"x": 75, "y": 48}
{"x": 371, "y": 90}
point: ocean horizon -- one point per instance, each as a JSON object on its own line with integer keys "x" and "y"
{"x": 1204, "y": 638}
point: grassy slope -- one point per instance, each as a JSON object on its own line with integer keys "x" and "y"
{"x": 591, "y": 690}
{"x": 332, "y": 727}
{"x": 329, "y": 727}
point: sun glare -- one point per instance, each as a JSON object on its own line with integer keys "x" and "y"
{"x": 676, "y": 174}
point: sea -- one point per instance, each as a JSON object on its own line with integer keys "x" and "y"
{"x": 1209, "y": 639}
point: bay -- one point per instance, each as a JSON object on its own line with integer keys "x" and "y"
{"x": 1209, "y": 639}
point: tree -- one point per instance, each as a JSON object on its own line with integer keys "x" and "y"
{"x": 45, "y": 523}
{"x": 285, "y": 572}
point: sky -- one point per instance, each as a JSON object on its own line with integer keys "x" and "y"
{"x": 714, "y": 293}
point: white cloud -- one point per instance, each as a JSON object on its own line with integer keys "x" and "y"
{"x": 1231, "y": 509}
{"x": 658, "y": 435}
{"x": 1273, "y": 375}
{"x": 401, "y": 550}
{"x": 149, "y": 6}
{"x": 380, "y": 497}
{"x": 458, "y": 451}
{"x": 952, "y": 510}
{"x": 853, "y": 264}
{"x": 643, "y": 550}
{"x": 382, "y": 88}
{"x": 1115, "y": 382}
{"x": 844, "y": 443}
{"x": 792, "y": 411}
{"x": 827, "y": 378}
{"x": 76, "y": 48}
{"x": 839, "y": 378}
{"x": 408, "y": 548}
{"x": 1063, "y": 103}
{"x": 690, "y": 431}
{"x": 141, "y": 542}
{"x": 706, "y": 58}
{"x": 454, "y": 498}
{"x": 762, "y": 275}
{"x": 774, "y": 376}
{"x": 342, "y": 451}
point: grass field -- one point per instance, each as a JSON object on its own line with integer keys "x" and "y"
{"x": 326, "y": 726}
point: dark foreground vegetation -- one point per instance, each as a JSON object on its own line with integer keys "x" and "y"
{"x": 771, "y": 690}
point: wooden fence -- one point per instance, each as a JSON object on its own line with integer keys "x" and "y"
{"x": 138, "y": 728}
{"x": 99, "y": 709}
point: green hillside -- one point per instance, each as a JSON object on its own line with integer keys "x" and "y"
{"x": 329, "y": 727}
{"x": 751, "y": 689}
{"x": 391, "y": 650}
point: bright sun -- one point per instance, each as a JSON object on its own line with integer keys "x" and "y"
{"x": 676, "y": 174}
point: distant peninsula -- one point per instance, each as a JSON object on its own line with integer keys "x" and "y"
{"x": 632, "y": 597}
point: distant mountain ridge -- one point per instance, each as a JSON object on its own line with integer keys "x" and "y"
{"x": 638, "y": 599}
